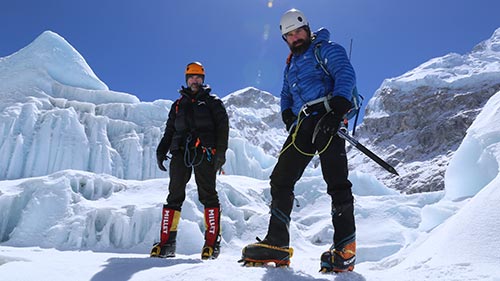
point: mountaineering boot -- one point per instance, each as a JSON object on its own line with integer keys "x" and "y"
{"x": 169, "y": 221}
{"x": 274, "y": 248}
{"x": 342, "y": 254}
{"x": 211, "y": 249}
{"x": 262, "y": 252}
{"x": 163, "y": 251}
{"x": 339, "y": 260}
{"x": 210, "y": 252}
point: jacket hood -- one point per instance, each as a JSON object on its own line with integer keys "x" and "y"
{"x": 321, "y": 35}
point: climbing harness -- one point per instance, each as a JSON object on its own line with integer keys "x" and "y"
{"x": 190, "y": 157}
{"x": 307, "y": 109}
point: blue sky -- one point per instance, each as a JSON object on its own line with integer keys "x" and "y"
{"x": 142, "y": 47}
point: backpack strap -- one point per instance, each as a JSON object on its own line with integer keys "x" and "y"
{"x": 356, "y": 97}
{"x": 320, "y": 61}
{"x": 177, "y": 105}
{"x": 288, "y": 61}
{"x": 289, "y": 58}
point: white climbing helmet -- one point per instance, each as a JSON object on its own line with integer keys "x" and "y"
{"x": 291, "y": 20}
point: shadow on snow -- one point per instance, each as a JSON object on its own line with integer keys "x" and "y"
{"x": 121, "y": 269}
{"x": 279, "y": 274}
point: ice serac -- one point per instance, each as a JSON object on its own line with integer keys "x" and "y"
{"x": 417, "y": 120}
{"x": 62, "y": 62}
{"x": 475, "y": 163}
{"x": 50, "y": 66}
{"x": 48, "y": 59}
{"x": 57, "y": 114}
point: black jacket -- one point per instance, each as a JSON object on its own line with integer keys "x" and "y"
{"x": 199, "y": 115}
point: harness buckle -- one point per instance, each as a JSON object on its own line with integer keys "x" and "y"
{"x": 305, "y": 110}
{"x": 315, "y": 105}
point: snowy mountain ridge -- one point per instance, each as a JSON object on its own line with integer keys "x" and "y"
{"x": 453, "y": 71}
{"x": 417, "y": 120}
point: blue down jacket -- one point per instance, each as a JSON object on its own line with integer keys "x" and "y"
{"x": 304, "y": 80}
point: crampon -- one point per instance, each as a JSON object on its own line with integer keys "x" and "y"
{"x": 261, "y": 255}
{"x": 163, "y": 251}
{"x": 338, "y": 260}
{"x": 210, "y": 253}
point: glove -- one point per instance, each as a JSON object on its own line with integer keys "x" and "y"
{"x": 330, "y": 123}
{"x": 340, "y": 106}
{"x": 159, "y": 160}
{"x": 219, "y": 160}
{"x": 288, "y": 118}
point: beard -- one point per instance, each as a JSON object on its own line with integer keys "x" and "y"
{"x": 300, "y": 46}
{"x": 195, "y": 87}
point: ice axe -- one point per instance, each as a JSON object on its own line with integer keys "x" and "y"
{"x": 342, "y": 132}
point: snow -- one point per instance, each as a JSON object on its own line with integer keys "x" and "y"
{"x": 81, "y": 197}
{"x": 475, "y": 165}
{"x": 454, "y": 70}
{"x": 449, "y": 72}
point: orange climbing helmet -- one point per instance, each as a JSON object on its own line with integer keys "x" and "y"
{"x": 195, "y": 68}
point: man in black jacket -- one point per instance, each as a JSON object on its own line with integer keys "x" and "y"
{"x": 196, "y": 134}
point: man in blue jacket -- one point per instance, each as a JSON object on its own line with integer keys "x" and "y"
{"x": 313, "y": 102}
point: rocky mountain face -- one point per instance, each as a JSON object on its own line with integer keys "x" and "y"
{"x": 255, "y": 115}
{"x": 416, "y": 121}
{"x": 419, "y": 137}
